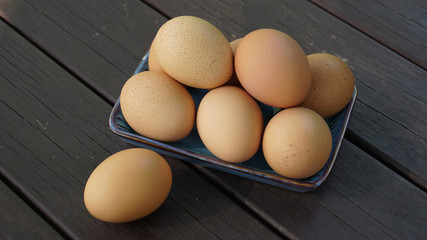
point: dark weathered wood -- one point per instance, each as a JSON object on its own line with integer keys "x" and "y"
{"x": 111, "y": 36}
{"x": 400, "y": 25}
{"x": 361, "y": 199}
{"x": 19, "y": 221}
{"x": 335, "y": 209}
{"x": 380, "y": 78}
{"x": 391, "y": 89}
{"x": 54, "y": 133}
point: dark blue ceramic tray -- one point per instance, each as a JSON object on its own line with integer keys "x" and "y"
{"x": 192, "y": 149}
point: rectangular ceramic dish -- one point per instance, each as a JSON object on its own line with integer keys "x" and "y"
{"x": 192, "y": 149}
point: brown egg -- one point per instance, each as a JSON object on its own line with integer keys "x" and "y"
{"x": 158, "y": 107}
{"x": 297, "y": 142}
{"x": 194, "y": 52}
{"x": 153, "y": 62}
{"x": 128, "y": 185}
{"x": 234, "y": 81}
{"x": 332, "y": 84}
{"x": 230, "y": 123}
{"x": 234, "y": 45}
{"x": 273, "y": 68}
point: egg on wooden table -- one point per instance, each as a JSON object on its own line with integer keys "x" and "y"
{"x": 153, "y": 61}
{"x": 234, "y": 81}
{"x": 230, "y": 123}
{"x": 332, "y": 84}
{"x": 234, "y": 45}
{"x": 194, "y": 52}
{"x": 297, "y": 142}
{"x": 273, "y": 68}
{"x": 157, "y": 106}
{"x": 128, "y": 185}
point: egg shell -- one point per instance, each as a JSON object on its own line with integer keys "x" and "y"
{"x": 297, "y": 142}
{"x": 157, "y": 106}
{"x": 332, "y": 84}
{"x": 234, "y": 45}
{"x": 273, "y": 68}
{"x": 234, "y": 81}
{"x": 194, "y": 52}
{"x": 128, "y": 185}
{"x": 230, "y": 123}
{"x": 153, "y": 61}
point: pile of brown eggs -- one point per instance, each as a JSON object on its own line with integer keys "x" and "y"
{"x": 265, "y": 66}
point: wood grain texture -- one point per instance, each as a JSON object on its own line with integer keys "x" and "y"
{"x": 391, "y": 92}
{"x": 19, "y": 221}
{"x": 335, "y": 209}
{"x": 54, "y": 133}
{"x": 111, "y": 36}
{"x": 400, "y": 25}
{"x": 391, "y": 89}
{"x": 361, "y": 199}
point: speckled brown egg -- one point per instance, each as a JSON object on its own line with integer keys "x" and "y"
{"x": 194, "y": 52}
{"x": 230, "y": 123}
{"x": 157, "y": 106}
{"x": 234, "y": 45}
{"x": 153, "y": 62}
{"x": 332, "y": 84}
{"x": 273, "y": 68}
{"x": 297, "y": 142}
{"x": 128, "y": 185}
{"x": 234, "y": 81}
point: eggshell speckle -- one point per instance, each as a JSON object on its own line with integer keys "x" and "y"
{"x": 230, "y": 123}
{"x": 128, "y": 185}
{"x": 153, "y": 61}
{"x": 234, "y": 45}
{"x": 234, "y": 81}
{"x": 273, "y": 68}
{"x": 157, "y": 106}
{"x": 332, "y": 84}
{"x": 297, "y": 142}
{"x": 194, "y": 52}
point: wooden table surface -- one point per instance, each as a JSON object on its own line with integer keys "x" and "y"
{"x": 62, "y": 66}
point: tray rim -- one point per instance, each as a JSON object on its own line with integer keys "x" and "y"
{"x": 187, "y": 155}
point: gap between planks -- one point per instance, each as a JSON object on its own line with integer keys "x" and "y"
{"x": 67, "y": 233}
{"x": 353, "y": 137}
{"x": 376, "y": 40}
{"x": 34, "y": 204}
{"x": 204, "y": 172}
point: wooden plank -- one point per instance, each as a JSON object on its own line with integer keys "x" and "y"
{"x": 391, "y": 89}
{"x": 361, "y": 199}
{"x": 111, "y": 36}
{"x": 312, "y": 214}
{"x": 19, "y": 221}
{"x": 54, "y": 133}
{"x": 400, "y": 25}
